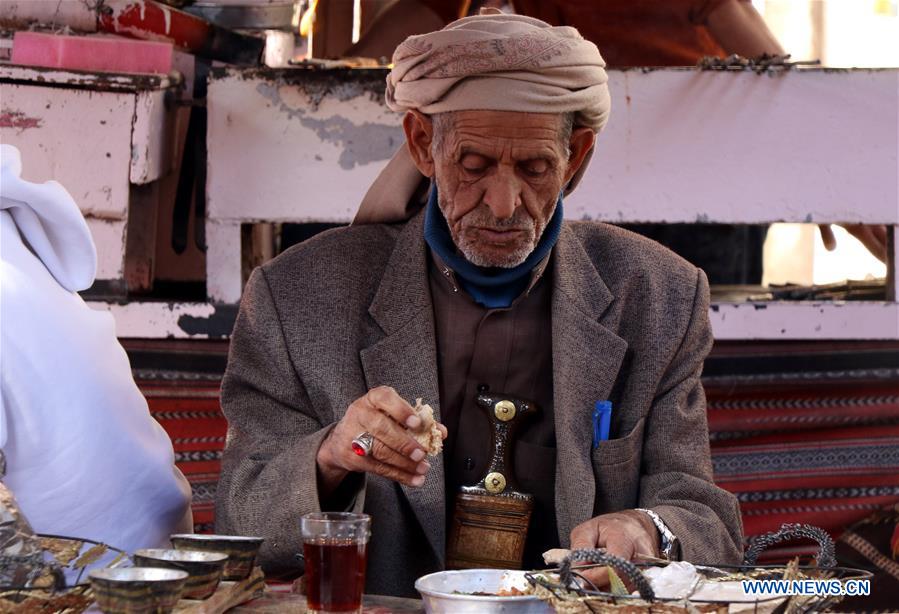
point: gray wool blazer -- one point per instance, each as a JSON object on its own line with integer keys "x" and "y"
{"x": 351, "y": 309}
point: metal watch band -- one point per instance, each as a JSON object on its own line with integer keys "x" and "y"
{"x": 668, "y": 540}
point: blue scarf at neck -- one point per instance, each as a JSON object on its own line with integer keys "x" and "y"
{"x": 492, "y": 287}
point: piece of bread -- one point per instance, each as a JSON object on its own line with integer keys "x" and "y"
{"x": 554, "y": 557}
{"x": 428, "y": 435}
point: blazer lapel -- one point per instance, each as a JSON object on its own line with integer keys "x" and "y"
{"x": 586, "y": 360}
{"x": 406, "y": 359}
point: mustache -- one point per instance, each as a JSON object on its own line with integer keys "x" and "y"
{"x": 481, "y": 217}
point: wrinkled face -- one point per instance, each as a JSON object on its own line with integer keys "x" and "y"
{"x": 498, "y": 177}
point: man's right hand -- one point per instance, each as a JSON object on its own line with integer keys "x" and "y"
{"x": 394, "y": 454}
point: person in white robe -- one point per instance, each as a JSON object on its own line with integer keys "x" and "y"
{"x": 83, "y": 455}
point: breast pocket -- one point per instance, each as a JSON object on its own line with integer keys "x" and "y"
{"x": 616, "y": 469}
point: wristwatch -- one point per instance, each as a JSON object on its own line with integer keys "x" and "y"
{"x": 668, "y": 540}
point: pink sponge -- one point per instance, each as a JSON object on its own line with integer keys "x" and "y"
{"x": 94, "y": 53}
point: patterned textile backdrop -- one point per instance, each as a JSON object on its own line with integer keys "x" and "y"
{"x": 181, "y": 383}
{"x": 800, "y": 432}
{"x": 805, "y": 432}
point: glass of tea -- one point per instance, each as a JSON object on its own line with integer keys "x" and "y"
{"x": 334, "y": 546}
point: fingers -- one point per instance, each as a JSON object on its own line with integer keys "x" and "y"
{"x": 386, "y": 455}
{"x": 609, "y": 531}
{"x": 387, "y": 462}
{"x": 626, "y": 534}
{"x": 392, "y": 472}
{"x": 389, "y": 433}
{"x": 599, "y": 576}
{"x": 622, "y": 544}
{"x": 874, "y": 238}
{"x": 616, "y": 534}
{"x": 394, "y": 454}
{"x": 386, "y": 399}
{"x": 830, "y": 241}
{"x": 585, "y": 535}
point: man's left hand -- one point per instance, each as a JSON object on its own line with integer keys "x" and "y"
{"x": 626, "y": 534}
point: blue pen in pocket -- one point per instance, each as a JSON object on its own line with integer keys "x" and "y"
{"x": 602, "y": 420}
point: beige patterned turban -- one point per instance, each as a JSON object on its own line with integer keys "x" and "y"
{"x": 493, "y": 62}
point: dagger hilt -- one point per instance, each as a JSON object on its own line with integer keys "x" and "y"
{"x": 505, "y": 414}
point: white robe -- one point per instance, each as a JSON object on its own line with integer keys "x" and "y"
{"x": 83, "y": 455}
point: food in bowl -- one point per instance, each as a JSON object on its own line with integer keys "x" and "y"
{"x": 479, "y": 591}
{"x": 503, "y": 592}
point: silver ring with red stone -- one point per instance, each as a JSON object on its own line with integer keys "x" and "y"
{"x": 363, "y": 443}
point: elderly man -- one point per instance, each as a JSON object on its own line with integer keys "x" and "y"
{"x": 485, "y": 288}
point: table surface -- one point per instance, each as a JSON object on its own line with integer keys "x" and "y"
{"x": 278, "y": 601}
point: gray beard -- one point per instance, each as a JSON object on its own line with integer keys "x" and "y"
{"x": 482, "y": 217}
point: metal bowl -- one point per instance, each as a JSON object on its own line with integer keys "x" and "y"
{"x": 137, "y": 590}
{"x": 204, "y": 568}
{"x": 450, "y": 592}
{"x": 241, "y": 550}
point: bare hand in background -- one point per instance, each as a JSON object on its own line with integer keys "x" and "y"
{"x": 873, "y": 237}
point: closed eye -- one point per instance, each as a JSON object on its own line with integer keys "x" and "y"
{"x": 535, "y": 168}
{"x": 474, "y": 163}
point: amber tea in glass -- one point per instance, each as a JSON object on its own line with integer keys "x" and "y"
{"x": 334, "y": 548}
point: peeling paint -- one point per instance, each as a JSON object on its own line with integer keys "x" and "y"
{"x": 168, "y": 18}
{"x": 18, "y": 120}
{"x": 102, "y": 218}
{"x": 143, "y": 8}
{"x": 64, "y": 15}
{"x": 101, "y": 82}
{"x": 360, "y": 143}
{"x": 316, "y": 85}
{"x": 216, "y": 325}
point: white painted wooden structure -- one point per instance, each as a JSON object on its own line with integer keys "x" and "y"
{"x": 682, "y": 146}
{"x": 97, "y": 135}
{"x": 293, "y": 145}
